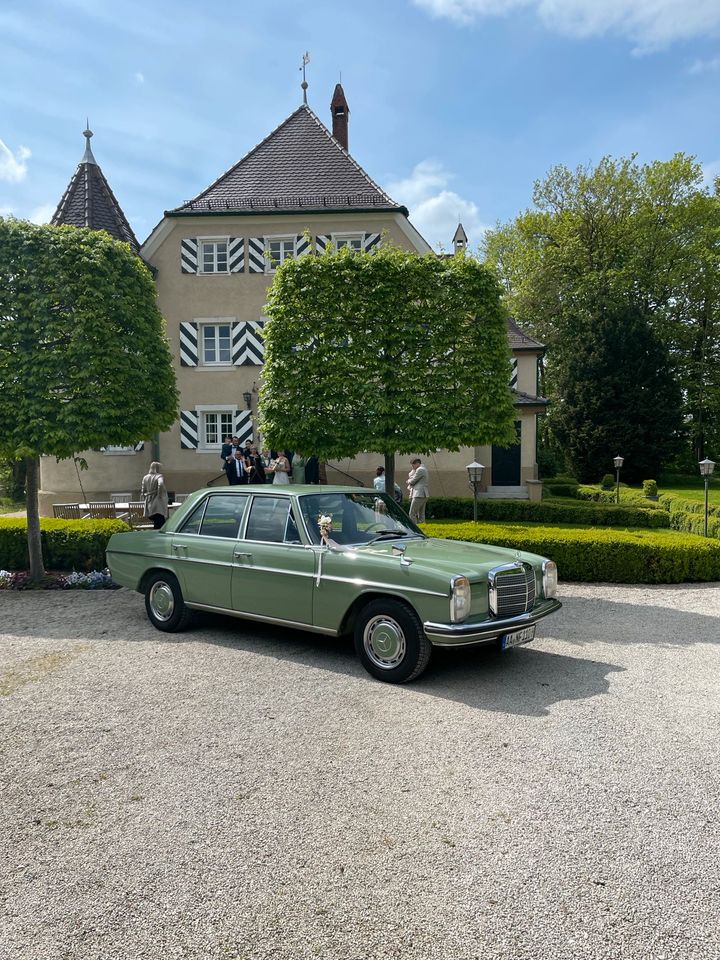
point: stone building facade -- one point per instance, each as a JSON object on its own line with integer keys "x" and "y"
{"x": 214, "y": 257}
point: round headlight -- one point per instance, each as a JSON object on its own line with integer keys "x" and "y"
{"x": 550, "y": 578}
{"x": 460, "y": 595}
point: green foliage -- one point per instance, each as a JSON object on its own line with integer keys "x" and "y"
{"x": 389, "y": 352}
{"x": 67, "y": 544}
{"x": 611, "y": 556}
{"x": 622, "y": 235}
{"x": 694, "y": 522}
{"x": 618, "y": 399}
{"x": 560, "y": 489}
{"x": 608, "y": 482}
{"x": 583, "y": 514}
{"x": 650, "y": 488}
{"x": 84, "y": 360}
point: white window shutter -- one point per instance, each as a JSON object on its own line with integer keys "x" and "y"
{"x": 189, "y": 255}
{"x": 236, "y": 254}
{"x": 188, "y": 344}
{"x": 189, "y": 429}
{"x": 256, "y": 254}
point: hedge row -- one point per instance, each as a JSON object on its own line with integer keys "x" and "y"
{"x": 680, "y": 505}
{"x": 66, "y": 544}
{"x": 582, "y": 514}
{"x": 610, "y": 556}
{"x": 687, "y": 522}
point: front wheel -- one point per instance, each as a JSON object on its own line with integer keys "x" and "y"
{"x": 164, "y": 603}
{"x": 390, "y": 641}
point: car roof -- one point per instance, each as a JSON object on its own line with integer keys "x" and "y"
{"x": 289, "y": 490}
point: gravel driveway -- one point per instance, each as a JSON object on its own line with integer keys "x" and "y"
{"x": 246, "y": 792}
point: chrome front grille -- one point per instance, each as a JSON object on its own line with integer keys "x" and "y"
{"x": 511, "y": 589}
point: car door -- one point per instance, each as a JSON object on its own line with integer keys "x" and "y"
{"x": 204, "y": 549}
{"x": 273, "y": 570}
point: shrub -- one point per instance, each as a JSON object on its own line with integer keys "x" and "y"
{"x": 607, "y": 482}
{"x": 66, "y": 544}
{"x": 584, "y": 514}
{"x": 650, "y": 488}
{"x": 688, "y": 522}
{"x": 560, "y": 489}
{"x": 611, "y": 556}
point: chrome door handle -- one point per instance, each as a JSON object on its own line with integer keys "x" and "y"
{"x": 238, "y": 553}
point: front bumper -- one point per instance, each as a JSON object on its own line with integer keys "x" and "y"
{"x": 458, "y": 634}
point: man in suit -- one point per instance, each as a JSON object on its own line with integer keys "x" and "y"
{"x": 228, "y": 448}
{"x": 417, "y": 485}
{"x": 235, "y": 469}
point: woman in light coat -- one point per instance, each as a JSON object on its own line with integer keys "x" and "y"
{"x": 155, "y": 495}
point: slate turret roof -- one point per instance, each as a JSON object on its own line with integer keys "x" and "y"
{"x": 522, "y": 341}
{"x": 298, "y": 167}
{"x": 89, "y": 202}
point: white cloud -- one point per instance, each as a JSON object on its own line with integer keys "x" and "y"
{"x": 12, "y": 165}
{"x": 704, "y": 66}
{"x": 651, "y": 24}
{"x": 43, "y": 213}
{"x": 711, "y": 171}
{"x": 139, "y": 77}
{"x": 434, "y": 209}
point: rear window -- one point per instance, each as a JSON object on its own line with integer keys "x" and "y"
{"x": 218, "y": 516}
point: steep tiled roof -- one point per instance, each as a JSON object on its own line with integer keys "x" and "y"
{"x": 298, "y": 166}
{"x": 89, "y": 202}
{"x": 522, "y": 341}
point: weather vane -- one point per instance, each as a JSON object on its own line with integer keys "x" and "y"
{"x": 305, "y": 62}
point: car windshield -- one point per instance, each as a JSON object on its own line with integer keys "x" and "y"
{"x": 357, "y": 518}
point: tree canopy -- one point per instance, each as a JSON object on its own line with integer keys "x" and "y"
{"x": 84, "y": 359}
{"x": 622, "y": 236}
{"x": 618, "y": 401}
{"x": 389, "y": 351}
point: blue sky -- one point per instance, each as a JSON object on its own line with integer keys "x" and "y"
{"x": 456, "y": 106}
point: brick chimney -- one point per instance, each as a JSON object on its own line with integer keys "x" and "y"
{"x": 340, "y": 113}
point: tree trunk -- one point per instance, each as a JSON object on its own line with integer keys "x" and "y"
{"x": 37, "y": 570}
{"x": 17, "y": 481}
{"x": 390, "y": 474}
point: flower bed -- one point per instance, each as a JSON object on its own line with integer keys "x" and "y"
{"x": 21, "y": 580}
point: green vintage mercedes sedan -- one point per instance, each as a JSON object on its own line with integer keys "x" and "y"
{"x": 335, "y": 560}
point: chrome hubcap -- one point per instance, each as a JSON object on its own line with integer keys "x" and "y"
{"x": 162, "y": 601}
{"x": 384, "y": 642}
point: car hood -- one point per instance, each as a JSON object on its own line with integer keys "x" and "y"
{"x": 472, "y": 560}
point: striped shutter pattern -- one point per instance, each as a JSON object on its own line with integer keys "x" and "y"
{"x": 189, "y": 344}
{"x": 248, "y": 346}
{"x": 513, "y": 374}
{"x": 243, "y": 425}
{"x": 189, "y": 255}
{"x": 140, "y": 445}
{"x": 189, "y": 429}
{"x": 236, "y": 254}
{"x": 322, "y": 242}
{"x": 302, "y": 245}
{"x": 371, "y": 241}
{"x": 256, "y": 254}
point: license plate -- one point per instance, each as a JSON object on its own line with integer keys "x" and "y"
{"x": 515, "y": 639}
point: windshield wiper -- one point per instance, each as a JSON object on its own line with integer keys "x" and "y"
{"x": 388, "y": 533}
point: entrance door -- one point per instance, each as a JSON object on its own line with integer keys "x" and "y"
{"x": 506, "y": 463}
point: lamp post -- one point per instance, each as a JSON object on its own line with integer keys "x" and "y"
{"x": 618, "y": 461}
{"x": 247, "y": 397}
{"x": 706, "y": 470}
{"x": 475, "y": 474}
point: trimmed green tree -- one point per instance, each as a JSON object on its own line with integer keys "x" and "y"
{"x": 618, "y": 396}
{"x": 390, "y": 352}
{"x": 84, "y": 360}
{"x": 622, "y": 234}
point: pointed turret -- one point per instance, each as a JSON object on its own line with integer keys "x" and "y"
{"x": 89, "y": 201}
{"x": 340, "y": 115}
{"x": 460, "y": 238}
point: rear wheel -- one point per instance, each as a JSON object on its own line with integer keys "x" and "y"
{"x": 390, "y": 641}
{"x": 164, "y": 603}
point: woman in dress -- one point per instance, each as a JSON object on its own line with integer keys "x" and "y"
{"x": 280, "y": 468}
{"x": 155, "y": 495}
